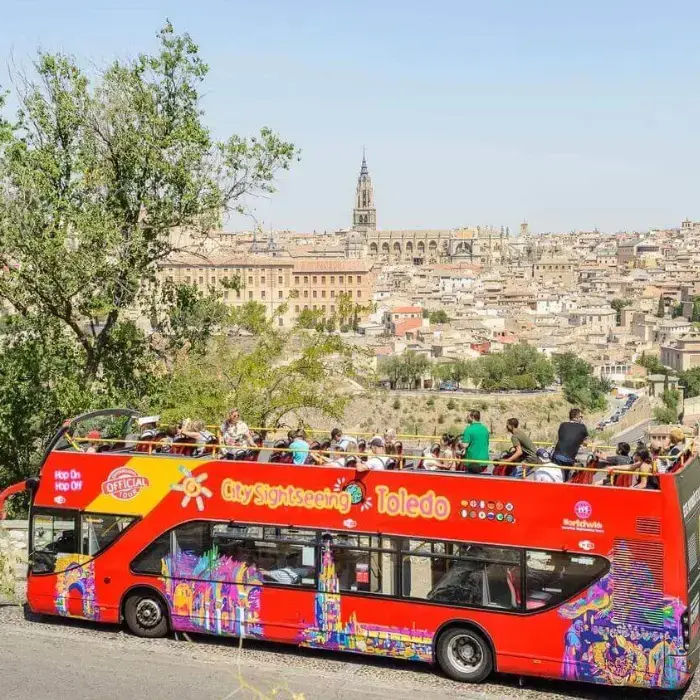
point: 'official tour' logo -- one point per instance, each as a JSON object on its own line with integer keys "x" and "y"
{"x": 124, "y": 483}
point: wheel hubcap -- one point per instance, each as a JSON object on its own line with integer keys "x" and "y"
{"x": 465, "y": 653}
{"x": 148, "y": 613}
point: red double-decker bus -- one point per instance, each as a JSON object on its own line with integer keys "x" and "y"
{"x": 474, "y": 573}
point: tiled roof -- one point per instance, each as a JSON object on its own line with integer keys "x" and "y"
{"x": 407, "y": 310}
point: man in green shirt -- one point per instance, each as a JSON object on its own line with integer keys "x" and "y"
{"x": 476, "y": 441}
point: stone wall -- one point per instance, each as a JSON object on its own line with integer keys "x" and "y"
{"x": 13, "y": 560}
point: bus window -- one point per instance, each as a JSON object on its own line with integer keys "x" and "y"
{"x": 99, "y": 531}
{"x": 192, "y": 556}
{"x": 150, "y": 560}
{"x": 366, "y": 563}
{"x": 458, "y": 574}
{"x": 553, "y": 577}
{"x": 51, "y": 534}
{"x": 280, "y": 555}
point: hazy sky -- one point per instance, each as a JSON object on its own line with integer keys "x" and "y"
{"x": 569, "y": 113}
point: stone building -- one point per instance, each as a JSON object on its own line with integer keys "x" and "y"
{"x": 300, "y": 283}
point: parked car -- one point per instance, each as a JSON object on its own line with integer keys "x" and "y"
{"x": 448, "y": 386}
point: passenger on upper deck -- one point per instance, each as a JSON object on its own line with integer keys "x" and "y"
{"x": 235, "y": 433}
{"x": 476, "y": 441}
{"x": 149, "y": 427}
{"x": 299, "y": 447}
{"x": 572, "y": 434}
{"x": 343, "y": 442}
{"x": 196, "y": 431}
{"x": 377, "y": 460}
{"x": 431, "y": 458}
{"x": 621, "y": 456}
{"x": 523, "y": 449}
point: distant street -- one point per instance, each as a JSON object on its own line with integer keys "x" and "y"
{"x": 57, "y": 659}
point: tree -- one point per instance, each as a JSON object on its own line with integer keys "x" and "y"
{"x": 652, "y": 364}
{"x": 439, "y": 316}
{"x": 661, "y": 308}
{"x": 695, "y": 315}
{"x": 278, "y": 374}
{"x": 690, "y": 381}
{"x": 579, "y": 385}
{"x": 618, "y": 305}
{"x": 668, "y": 413}
{"x": 95, "y": 176}
{"x": 309, "y": 318}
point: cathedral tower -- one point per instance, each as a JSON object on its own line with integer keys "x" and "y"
{"x": 364, "y": 215}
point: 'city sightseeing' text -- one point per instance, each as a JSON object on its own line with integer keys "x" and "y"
{"x": 262, "y": 494}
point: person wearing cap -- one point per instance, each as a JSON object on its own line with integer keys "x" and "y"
{"x": 148, "y": 426}
{"x": 376, "y": 460}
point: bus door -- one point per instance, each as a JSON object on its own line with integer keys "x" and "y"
{"x": 63, "y": 546}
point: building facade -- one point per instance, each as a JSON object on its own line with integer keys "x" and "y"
{"x": 316, "y": 284}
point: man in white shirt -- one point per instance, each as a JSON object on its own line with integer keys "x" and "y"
{"x": 377, "y": 459}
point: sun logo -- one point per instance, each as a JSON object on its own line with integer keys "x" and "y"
{"x": 192, "y": 487}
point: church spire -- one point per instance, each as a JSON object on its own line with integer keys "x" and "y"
{"x": 364, "y": 215}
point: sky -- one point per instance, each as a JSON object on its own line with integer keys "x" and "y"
{"x": 567, "y": 114}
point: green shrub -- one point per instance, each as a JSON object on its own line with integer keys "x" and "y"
{"x": 396, "y": 405}
{"x": 451, "y": 405}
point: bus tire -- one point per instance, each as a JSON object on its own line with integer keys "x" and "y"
{"x": 146, "y": 614}
{"x": 464, "y": 654}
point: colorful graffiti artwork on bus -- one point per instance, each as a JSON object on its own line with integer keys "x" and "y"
{"x": 75, "y": 586}
{"x": 227, "y": 602}
{"x": 329, "y": 631}
{"x": 622, "y": 645}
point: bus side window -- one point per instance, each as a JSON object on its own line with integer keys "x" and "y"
{"x": 553, "y": 577}
{"x": 99, "y": 531}
{"x": 152, "y": 559}
{"x": 365, "y": 563}
{"x": 475, "y": 575}
{"x": 52, "y": 534}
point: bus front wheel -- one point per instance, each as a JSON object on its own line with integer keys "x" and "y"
{"x": 145, "y": 614}
{"x": 464, "y": 655}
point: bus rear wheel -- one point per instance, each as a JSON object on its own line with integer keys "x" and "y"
{"x": 464, "y": 655}
{"x": 145, "y": 614}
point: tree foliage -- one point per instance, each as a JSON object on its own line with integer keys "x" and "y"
{"x": 96, "y": 173}
{"x": 579, "y": 385}
{"x": 690, "y": 381}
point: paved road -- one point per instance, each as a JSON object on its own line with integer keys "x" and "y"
{"x": 56, "y": 659}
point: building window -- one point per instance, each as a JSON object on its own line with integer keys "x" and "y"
{"x": 262, "y": 280}
{"x": 306, "y": 279}
{"x": 359, "y": 293}
{"x": 332, "y": 279}
{"x": 262, "y": 294}
{"x": 188, "y": 280}
{"x": 340, "y": 279}
{"x": 350, "y": 293}
{"x": 323, "y": 293}
{"x": 306, "y": 307}
{"x": 279, "y": 294}
{"x": 314, "y": 279}
{"x": 296, "y": 279}
{"x": 332, "y": 309}
{"x": 250, "y": 280}
{"x": 332, "y": 293}
{"x": 296, "y": 309}
{"x": 315, "y": 307}
{"x": 323, "y": 279}
{"x": 314, "y": 293}
{"x": 250, "y": 295}
{"x": 306, "y": 294}
{"x": 226, "y": 295}
{"x": 359, "y": 279}
{"x": 280, "y": 321}
{"x": 279, "y": 280}
{"x": 323, "y": 308}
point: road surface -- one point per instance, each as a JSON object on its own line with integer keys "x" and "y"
{"x": 54, "y": 659}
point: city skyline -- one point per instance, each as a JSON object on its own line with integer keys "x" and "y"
{"x": 568, "y": 117}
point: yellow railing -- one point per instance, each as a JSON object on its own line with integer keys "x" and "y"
{"x": 402, "y": 457}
